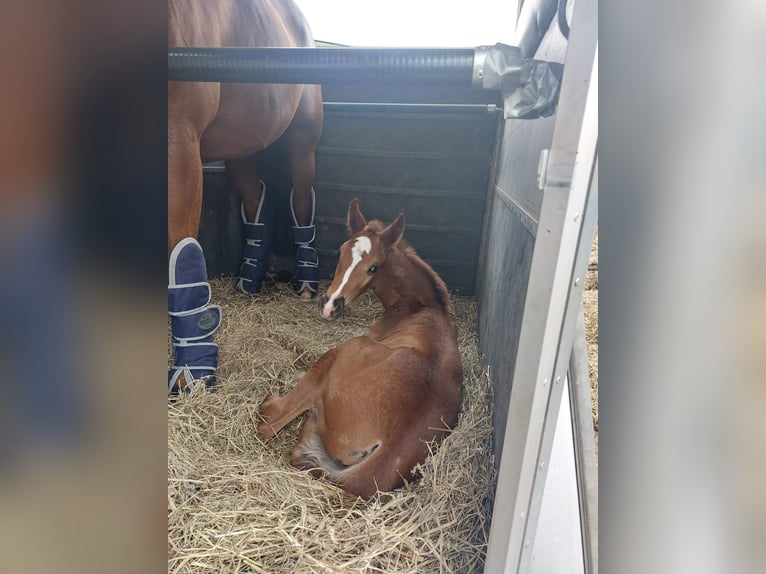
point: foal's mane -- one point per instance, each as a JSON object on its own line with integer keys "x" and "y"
{"x": 441, "y": 294}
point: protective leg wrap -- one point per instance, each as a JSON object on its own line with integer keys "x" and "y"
{"x": 257, "y": 246}
{"x": 306, "y": 258}
{"x": 193, "y": 320}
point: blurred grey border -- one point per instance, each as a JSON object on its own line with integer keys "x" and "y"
{"x": 682, "y": 287}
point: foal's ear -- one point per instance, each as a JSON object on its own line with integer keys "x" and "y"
{"x": 393, "y": 232}
{"x": 355, "y": 221}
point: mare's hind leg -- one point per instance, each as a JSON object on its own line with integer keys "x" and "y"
{"x": 244, "y": 173}
{"x": 302, "y": 138}
{"x": 257, "y": 213}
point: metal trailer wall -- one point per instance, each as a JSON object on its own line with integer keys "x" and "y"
{"x": 513, "y": 211}
{"x": 430, "y": 162}
{"x": 426, "y": 152}
{"x": 543, "y": 518}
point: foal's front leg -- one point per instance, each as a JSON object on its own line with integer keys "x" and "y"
{"x": 276, "y": 411}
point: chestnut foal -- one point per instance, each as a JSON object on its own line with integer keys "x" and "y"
{"x": 373, "y": 403}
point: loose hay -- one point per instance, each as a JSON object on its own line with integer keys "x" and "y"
{"x": 590, "y": 305}
{"x": 235, "y": 504}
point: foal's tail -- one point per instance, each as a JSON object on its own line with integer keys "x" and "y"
{"x": 364, "y": 476}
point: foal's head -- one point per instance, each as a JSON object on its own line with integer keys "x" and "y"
{"x": 361, "y": 258}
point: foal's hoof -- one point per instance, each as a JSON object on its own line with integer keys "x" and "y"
{"x": 266, "y": 412}
{"x": 265, "y": 431}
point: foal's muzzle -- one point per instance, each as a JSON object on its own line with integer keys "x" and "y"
{"x": 335, "y": 311}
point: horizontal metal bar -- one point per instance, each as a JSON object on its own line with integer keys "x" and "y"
{"x": 450, "y": 263}
{"x": 410, "y": 226}
{"x": 454, "y": 263}
{"x": 219, "y": 167}
{"x": 388, "y": 108}
{"x": 412, "y": 66}
{"x": 414, "y": 155}
{"x": 402, "y": 191}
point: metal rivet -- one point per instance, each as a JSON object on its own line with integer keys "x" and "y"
{"x": 545, "y": 382}
{"x": 523, "y": 514}
{"x": 526, "y": 544}
{"x": 542, "y": 465}
{"x": 577, "y": 215}
{"x": 577, "y": 281}
{"x": 558, "y": 379}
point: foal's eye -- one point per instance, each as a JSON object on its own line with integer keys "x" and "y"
{"x": 373, "y": 269}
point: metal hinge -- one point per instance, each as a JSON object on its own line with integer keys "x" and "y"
{"x": 542, "y": 168}
{"x": 552, "y": 175}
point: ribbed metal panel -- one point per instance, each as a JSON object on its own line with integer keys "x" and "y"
{"x": 430, "y": 161}
{"x": 432, "y": 166}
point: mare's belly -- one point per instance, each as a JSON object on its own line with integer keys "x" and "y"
{"x": 249, "y": 119}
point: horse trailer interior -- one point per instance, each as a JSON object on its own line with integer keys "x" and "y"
{"x": 504, "y": 209}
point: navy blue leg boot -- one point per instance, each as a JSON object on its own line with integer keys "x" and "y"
{"x": 257, "y": 246}
{"x": 193, "y": 320}
{"x": 306, "y": 258}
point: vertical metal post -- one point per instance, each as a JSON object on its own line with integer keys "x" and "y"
{"x": 564, "y": 234}
{"x": 489, "y": 204}
{"x": 584, "y": 445}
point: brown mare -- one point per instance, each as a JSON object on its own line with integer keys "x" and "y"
{"x": 231, "y": 122}
{"x": 373, "y": 403}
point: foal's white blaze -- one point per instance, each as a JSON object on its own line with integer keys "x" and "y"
{"x": 362, "y": 246}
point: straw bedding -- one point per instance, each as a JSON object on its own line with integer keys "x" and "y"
{"x": 235, "y": 504}
{"x": 590, "y": 305}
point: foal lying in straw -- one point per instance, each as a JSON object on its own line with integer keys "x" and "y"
{"x": 375, "y": 402}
